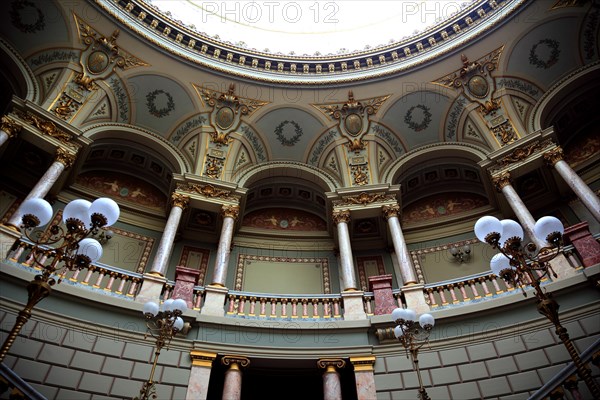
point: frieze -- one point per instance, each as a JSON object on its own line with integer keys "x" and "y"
{"x": 207, "y": 191}
{"x": 521, "y": 154}
{"x": 47, "y": 127}
{"x": 364, "y": 198}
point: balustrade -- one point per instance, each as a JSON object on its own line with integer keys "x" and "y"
{"x": 242, "y": 304}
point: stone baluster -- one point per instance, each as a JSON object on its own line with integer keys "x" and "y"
{"x": 463, "y": 291}
{"x": 232, "y": 388}
{"x": 252, "y": 306}
{"x": 263, "y": 307}
{"x": 332, "y": 388}
{"x": 432, "y": 300}
{"x": 587, "y": 196}
{"x": 474, "y": 289}
{"x": 199, "y": 374}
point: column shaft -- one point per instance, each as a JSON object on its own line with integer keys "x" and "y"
{"x": 199, "y": 375}
{"x": 232, "y": 388}
{"x": 346, "y": 259}
{"x": 41, "y": 188}
{"x": 161, "y": 259}
{"x": 522, "y": 213}
{"x": 3, "y": 137}
{"x": 406, "y": 268}
{"x": 583, "y": 191}
{"x": 332, "y": 387}
{"x": 223, "y": 252}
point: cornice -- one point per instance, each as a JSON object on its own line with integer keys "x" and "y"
{"x": 178, "y": 39}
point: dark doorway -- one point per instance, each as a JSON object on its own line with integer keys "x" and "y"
{"x": 276, "y": 379}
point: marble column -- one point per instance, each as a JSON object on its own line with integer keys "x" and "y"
{"x": 62, "y": 161}
{"x": 364, "y": 376}
{"x": 199, "y": 374}
{"x": 587, "y": 196}
{"x": 407, "y": 270}
{"x": 230, "y": 214}
{"x": 160, "y": 263}
{"x": 8, "y": 129}
{"x": 502, "y": 184}
{"x": 341, "y": 219}
{"x": 232, "y": 388}
{"x": 332, "y": 387}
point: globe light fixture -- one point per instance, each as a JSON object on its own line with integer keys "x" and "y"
{"x": 162, "y": 322}
{"x": 58, "y": 248}
{"x": 523, "y": 265}
{"x": 413, "y": 335}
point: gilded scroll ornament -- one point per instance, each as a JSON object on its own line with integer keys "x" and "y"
{"x": 501, "y": 180}
{"x": 180, "y": 200}
{"x": 505, "y": 133}
{"x": 329, "y": 363}
{"x": 46, "y": 127}
{"x": 553, "y": 156}
{"x": 341, "y": 216}
{"x": 227, "y": 111}
{"x": 64, "y": 157}
{"x": 234, "y": 360}
{"x": 207, "y": 191}
{"x": 230, "y": 211}
{"x": 363, "y": 198}
{"x": 101, "y": 57}
{"x": 10, "y": 126}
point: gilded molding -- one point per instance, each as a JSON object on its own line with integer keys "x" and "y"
{"x": 341, "y": 216}
{"x": 230, "y": 211}
{"x": 330, "y": 364}
{"x": 10, "y": 126}
{"x": 364, "y": 198}
{"x": 390, "y": 211}
{"x": 207, "y": 190}
{"x": 553, "y": 156}
{"x": 501, "y": 180}
{"x": 521, "y": 154}
{"x": 235, "y": 361}
{"x": 363, "y": 363}
{"x": 46, "y": 127}
{"x": 180, "y": 200}
{"x": 202, "y": 358}
{"x": 64, "y": 157}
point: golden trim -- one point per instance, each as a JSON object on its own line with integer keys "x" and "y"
{"x": 328, "y": 363}
{"x": 235, "y": 361}
{"x": 202, "y": 358}
{"x": 363, "y": 363}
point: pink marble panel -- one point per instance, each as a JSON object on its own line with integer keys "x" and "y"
{"x": 585, "y": 245}
{"x": 381, "y": 286}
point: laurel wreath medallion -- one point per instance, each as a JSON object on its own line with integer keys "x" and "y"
{"x": 408, "y": 118}
{"x": 288, "y": 141}
{"x": 159, "y": 112}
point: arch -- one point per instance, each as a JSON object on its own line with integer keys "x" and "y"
{"x": 282, "y": 169}
{"x": 18, "y": 74}
{"x": 432, "y": 152}
{"x": 554, "y": 98}
{"x": 141, "y": 136}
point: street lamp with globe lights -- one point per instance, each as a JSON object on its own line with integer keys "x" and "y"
{"x": 521, "y": 265}
{"x": 59, "y": 249}
{"x": 162, "y": 324}
{"x": 413, "y": 335}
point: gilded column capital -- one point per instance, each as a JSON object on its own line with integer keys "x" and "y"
{"x": 501, "y": 180}
{"x": 202, "y": 358}
{"x": 391, "y": 211}
{"x": 230, "y": 211}
{"x": 10, "y": 126}
{"x": 341, "y": 216}
{"x": 553, "y": 156}
{"x": 330, "y": 364}
{"x": 363, "y": 363}
{"x": 64, "y": 157}
{"x": 180, "y": 200}
{"x": 235, "y": 361}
